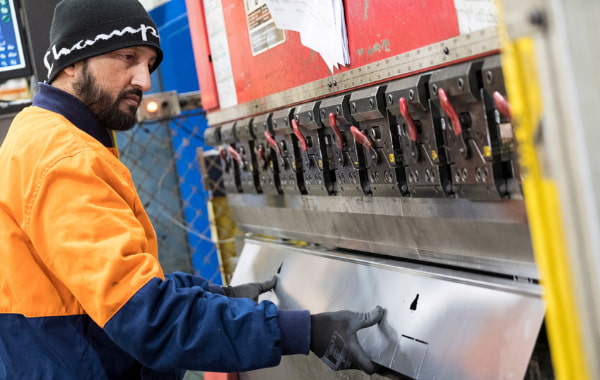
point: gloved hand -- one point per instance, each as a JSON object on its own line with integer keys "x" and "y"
{"x": 333, "y": 338}
{"x": 251, "y": 290}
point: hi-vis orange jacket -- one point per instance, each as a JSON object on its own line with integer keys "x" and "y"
{"x": 82, "y": 294}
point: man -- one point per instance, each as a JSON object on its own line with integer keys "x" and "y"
{"x": 82, "y": 294}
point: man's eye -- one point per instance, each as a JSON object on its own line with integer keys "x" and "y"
{"x": 128, "y": 57}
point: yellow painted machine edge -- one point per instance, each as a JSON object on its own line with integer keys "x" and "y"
{"x": 543, "y": 209}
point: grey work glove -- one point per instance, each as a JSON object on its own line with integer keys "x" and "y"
{"x": 250, "y": 290}
{"x": 333, "y": 338}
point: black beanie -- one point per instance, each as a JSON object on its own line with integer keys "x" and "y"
{"x": 86, "y": 28}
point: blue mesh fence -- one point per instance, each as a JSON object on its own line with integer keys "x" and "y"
{"x": 162, "y": 158}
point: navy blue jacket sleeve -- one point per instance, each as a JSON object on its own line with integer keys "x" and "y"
{"x": 184, "y": 280}
{"x": 166, "y": 325}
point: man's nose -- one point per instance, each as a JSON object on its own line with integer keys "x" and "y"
{"x": 141, "y": 78}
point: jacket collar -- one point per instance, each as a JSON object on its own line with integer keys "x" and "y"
{"x": 74, "y": 110}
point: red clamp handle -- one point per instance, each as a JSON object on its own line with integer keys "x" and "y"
{"x": 261, "y": 155}
{"x": 450, "y": 111}
{"x": 502, "y": 104}
{"x": 412, "y": 127}
{"x": 223, "y": 154}
{"x": 361, "y": 138}
{"x": 234, "y": 153}
{"x": 272, "y": 142}
{"x": 336, "y": 130}
{"x": 299, "y": 135}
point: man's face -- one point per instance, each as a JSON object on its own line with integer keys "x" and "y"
{"x": 112, "y": 85}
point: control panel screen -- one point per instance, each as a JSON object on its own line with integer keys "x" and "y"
{"x": 13, "y": 54}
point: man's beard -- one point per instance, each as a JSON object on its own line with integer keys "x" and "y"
{"x": 101, "y": 103}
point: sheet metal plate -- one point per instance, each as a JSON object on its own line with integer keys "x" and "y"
{"x": 439, "y": 324}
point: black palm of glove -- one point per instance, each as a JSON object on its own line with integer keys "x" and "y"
{"x": 251, "y": 290}
{"x": 333, "y": 338}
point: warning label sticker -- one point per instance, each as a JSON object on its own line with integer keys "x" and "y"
{"x": 264, "y": 35}
{"x": 475, "y": 15}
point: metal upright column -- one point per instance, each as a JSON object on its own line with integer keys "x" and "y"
{"x": 557, "y": 129}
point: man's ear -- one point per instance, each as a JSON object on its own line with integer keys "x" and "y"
{"x": 65, "y": 77}
{"x": 71, "y": 69}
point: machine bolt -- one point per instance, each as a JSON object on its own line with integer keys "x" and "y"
{"x": 387, "y": 177}
{"x": 497, "y": 117}
{"x": 375, "y": 133}
{"x": 502, "y": 188}
{"x": 411, "y": 94}
{"x": 538, "y": 17}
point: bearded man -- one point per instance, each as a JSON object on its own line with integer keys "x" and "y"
{"x": 82, "y": 293}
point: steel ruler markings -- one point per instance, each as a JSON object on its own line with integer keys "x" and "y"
{"x": 442, "y": 53}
